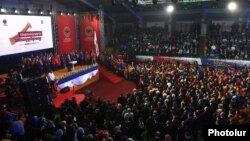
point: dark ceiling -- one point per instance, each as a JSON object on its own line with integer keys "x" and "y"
{"x": 119, "y": 12}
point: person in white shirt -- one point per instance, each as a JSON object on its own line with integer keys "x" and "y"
{"x": 51, "y": 80}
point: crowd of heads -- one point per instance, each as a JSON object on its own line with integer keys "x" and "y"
{"x": 157, "y": 41}
{"x": 217, "y": 43}
{"x": 229, "y": 45}
{"x": 172, "y": 101}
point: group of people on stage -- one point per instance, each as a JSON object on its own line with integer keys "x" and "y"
{"x": 43, "y": 65}
{"x": 35, "y": 65}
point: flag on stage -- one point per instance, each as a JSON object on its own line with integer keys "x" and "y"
{"x": 96, "y": 45}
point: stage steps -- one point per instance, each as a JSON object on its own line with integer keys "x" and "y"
{"x": 110, "y": 76}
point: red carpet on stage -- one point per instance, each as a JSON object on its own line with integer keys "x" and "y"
{"x": 62, "y": 97}
{"x": 110, "y": 76}
{"x": 110, "y": 91}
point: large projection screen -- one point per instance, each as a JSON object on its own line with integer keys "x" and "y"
{"x": 23, "y": 33}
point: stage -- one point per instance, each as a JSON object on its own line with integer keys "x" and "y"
{"x": 80, "y": 77}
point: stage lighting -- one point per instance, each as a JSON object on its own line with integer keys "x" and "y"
{"x": 3, "y": 10}
{"x": 16, "y": 11}
{"x": 154, "y": 1}
{"x": 170, "y": 8}
{"x": 232, "y": 6}
{"x": 41, "y": 12}
{"x": 49, "y": 12}
{"x": 29, "y": 12}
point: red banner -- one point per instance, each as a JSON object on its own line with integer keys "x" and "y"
{"x": 66, "y": 33}
{"x": 89, "y": 26}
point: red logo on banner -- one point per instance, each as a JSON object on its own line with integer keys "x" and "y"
{"x": 67, "y": 33}
{"x": 89, "y": 32}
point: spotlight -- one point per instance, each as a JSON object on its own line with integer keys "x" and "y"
{"x": 16, "y": 11}
{"x": 3, "y": 10}
{"x": 29, "y": 12}
{"x": 170, "y": 9}
{"x": 41, "y": 12}
{"x": 61, "y": 13}
{"x": 49, "y": 12}
{"x": 232, "y": 6}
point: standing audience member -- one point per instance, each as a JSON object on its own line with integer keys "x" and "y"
{"x": 52, "y": 80}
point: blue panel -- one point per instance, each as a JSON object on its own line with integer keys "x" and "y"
{"x": 76, "y": 75}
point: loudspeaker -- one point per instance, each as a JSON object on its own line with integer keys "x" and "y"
{"x": 35, "y": 92}
{"x": 88, "y": 92}
{"x": 65, "y": 90}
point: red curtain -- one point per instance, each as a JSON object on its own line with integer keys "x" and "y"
{"x": 89, "y": 24}
{"x": 66, "y": 33}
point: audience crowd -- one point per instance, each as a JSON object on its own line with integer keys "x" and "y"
{"x": 157, "y": 41}
{"x": 172, "y": 102}
{"x": 229, "y": 45}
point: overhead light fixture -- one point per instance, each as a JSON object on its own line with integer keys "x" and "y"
{"x": 232, "y": 6}
{"x": 170, "y": 8}
{"x": 3, "y": 10}
{"x": 49, "y": 12}
{"x": 16, "y": 11}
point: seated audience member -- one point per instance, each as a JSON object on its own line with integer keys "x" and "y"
{"x": 17, "y": 129}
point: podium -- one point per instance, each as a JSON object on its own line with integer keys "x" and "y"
{"x": 73, "y": 64}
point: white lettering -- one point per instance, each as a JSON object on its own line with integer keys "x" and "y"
{"x": 210, "y": 131}
{"x": 215, "y": 132}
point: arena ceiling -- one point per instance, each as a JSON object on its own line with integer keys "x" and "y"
{"x": 120, "y": 12}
